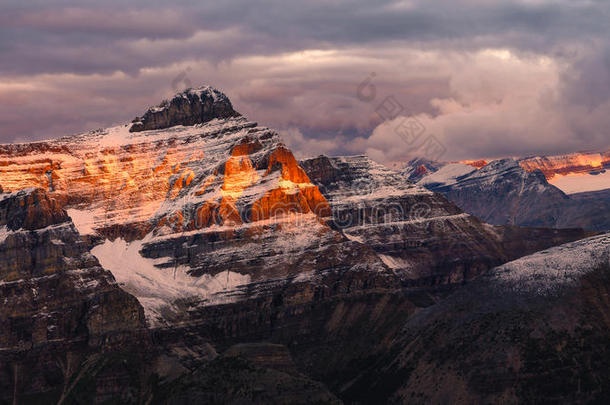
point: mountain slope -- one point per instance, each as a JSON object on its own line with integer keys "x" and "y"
{"x": 533, "y": 330}
{"x": 417, "y": 233}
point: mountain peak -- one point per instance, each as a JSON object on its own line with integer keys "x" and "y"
{"x": 189, "y": 107}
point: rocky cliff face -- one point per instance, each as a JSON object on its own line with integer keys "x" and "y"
{"x": 571, "y": 163}
{"x": 58, "y": 303}
{"x": 192, "y": 216}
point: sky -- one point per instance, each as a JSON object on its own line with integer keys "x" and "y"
{"x": 446, "y": 80}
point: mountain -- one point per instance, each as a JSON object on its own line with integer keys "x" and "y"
{"x": 417, "y": 233}
{"x": 533, "y": 330}
{"x": 224, "y": 261}
{"x": 503, "y": 192}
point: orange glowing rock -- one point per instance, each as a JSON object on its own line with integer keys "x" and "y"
{"x": 189, "y": 177}
{"x": 290, "y": 167}
{"x": 296, "y": 193}
{"x": 183, "y": 178}
{"x": 246, "y": 147}
{"x": 239, "y": 175}
{"x": 208, "y": 181}
{"x": 566, "y": 164}
{"x": 475, "y": 163}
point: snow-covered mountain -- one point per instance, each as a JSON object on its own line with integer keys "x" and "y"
{"x": 193, "y": 231}
{"x": 504, "y": 192}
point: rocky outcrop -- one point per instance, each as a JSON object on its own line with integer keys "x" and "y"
{"x": 193, "y": 106}
{"x": 30, "y": 210}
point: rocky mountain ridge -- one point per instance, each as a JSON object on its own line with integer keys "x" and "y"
{"x": 571, "y": 163}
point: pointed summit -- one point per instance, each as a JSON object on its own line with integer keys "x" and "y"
{"x": 190, "y": 107}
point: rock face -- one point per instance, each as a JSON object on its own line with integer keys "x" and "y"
{"x": 503, "y": 192}
{"x": 193, "y": 106}
{"x": 58, "y": 304}
{"x": 30, "y": 210}
{"x": 572, "y": 163}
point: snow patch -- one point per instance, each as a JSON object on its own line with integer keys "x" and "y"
{"x": 581, "y": 183}
{"x": 158, "y": 288}
{"x": 4, "y": 233}
{"x": 83, "y": 220}
{"x": 394, "y": 262}
{"x": 448, "y": 174}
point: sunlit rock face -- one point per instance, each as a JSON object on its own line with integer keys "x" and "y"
{"x": 183, "y": 177}
{"x": 194, "y": 202}
{"x": 566, "y": 164}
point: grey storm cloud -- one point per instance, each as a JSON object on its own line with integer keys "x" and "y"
{"x": 64, "y": 37}
{"x": 296, "y": 66}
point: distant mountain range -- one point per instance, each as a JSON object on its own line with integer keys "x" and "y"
{"x": 556, "y": 191}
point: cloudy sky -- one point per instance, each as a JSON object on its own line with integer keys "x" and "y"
{"x": 481, "y": 78}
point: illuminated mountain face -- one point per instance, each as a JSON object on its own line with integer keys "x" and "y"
{"x": 573, "y": 163}
{"x": 183, "y": 177}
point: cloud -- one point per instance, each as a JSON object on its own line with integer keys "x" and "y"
{"x": 485, "y": 78}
